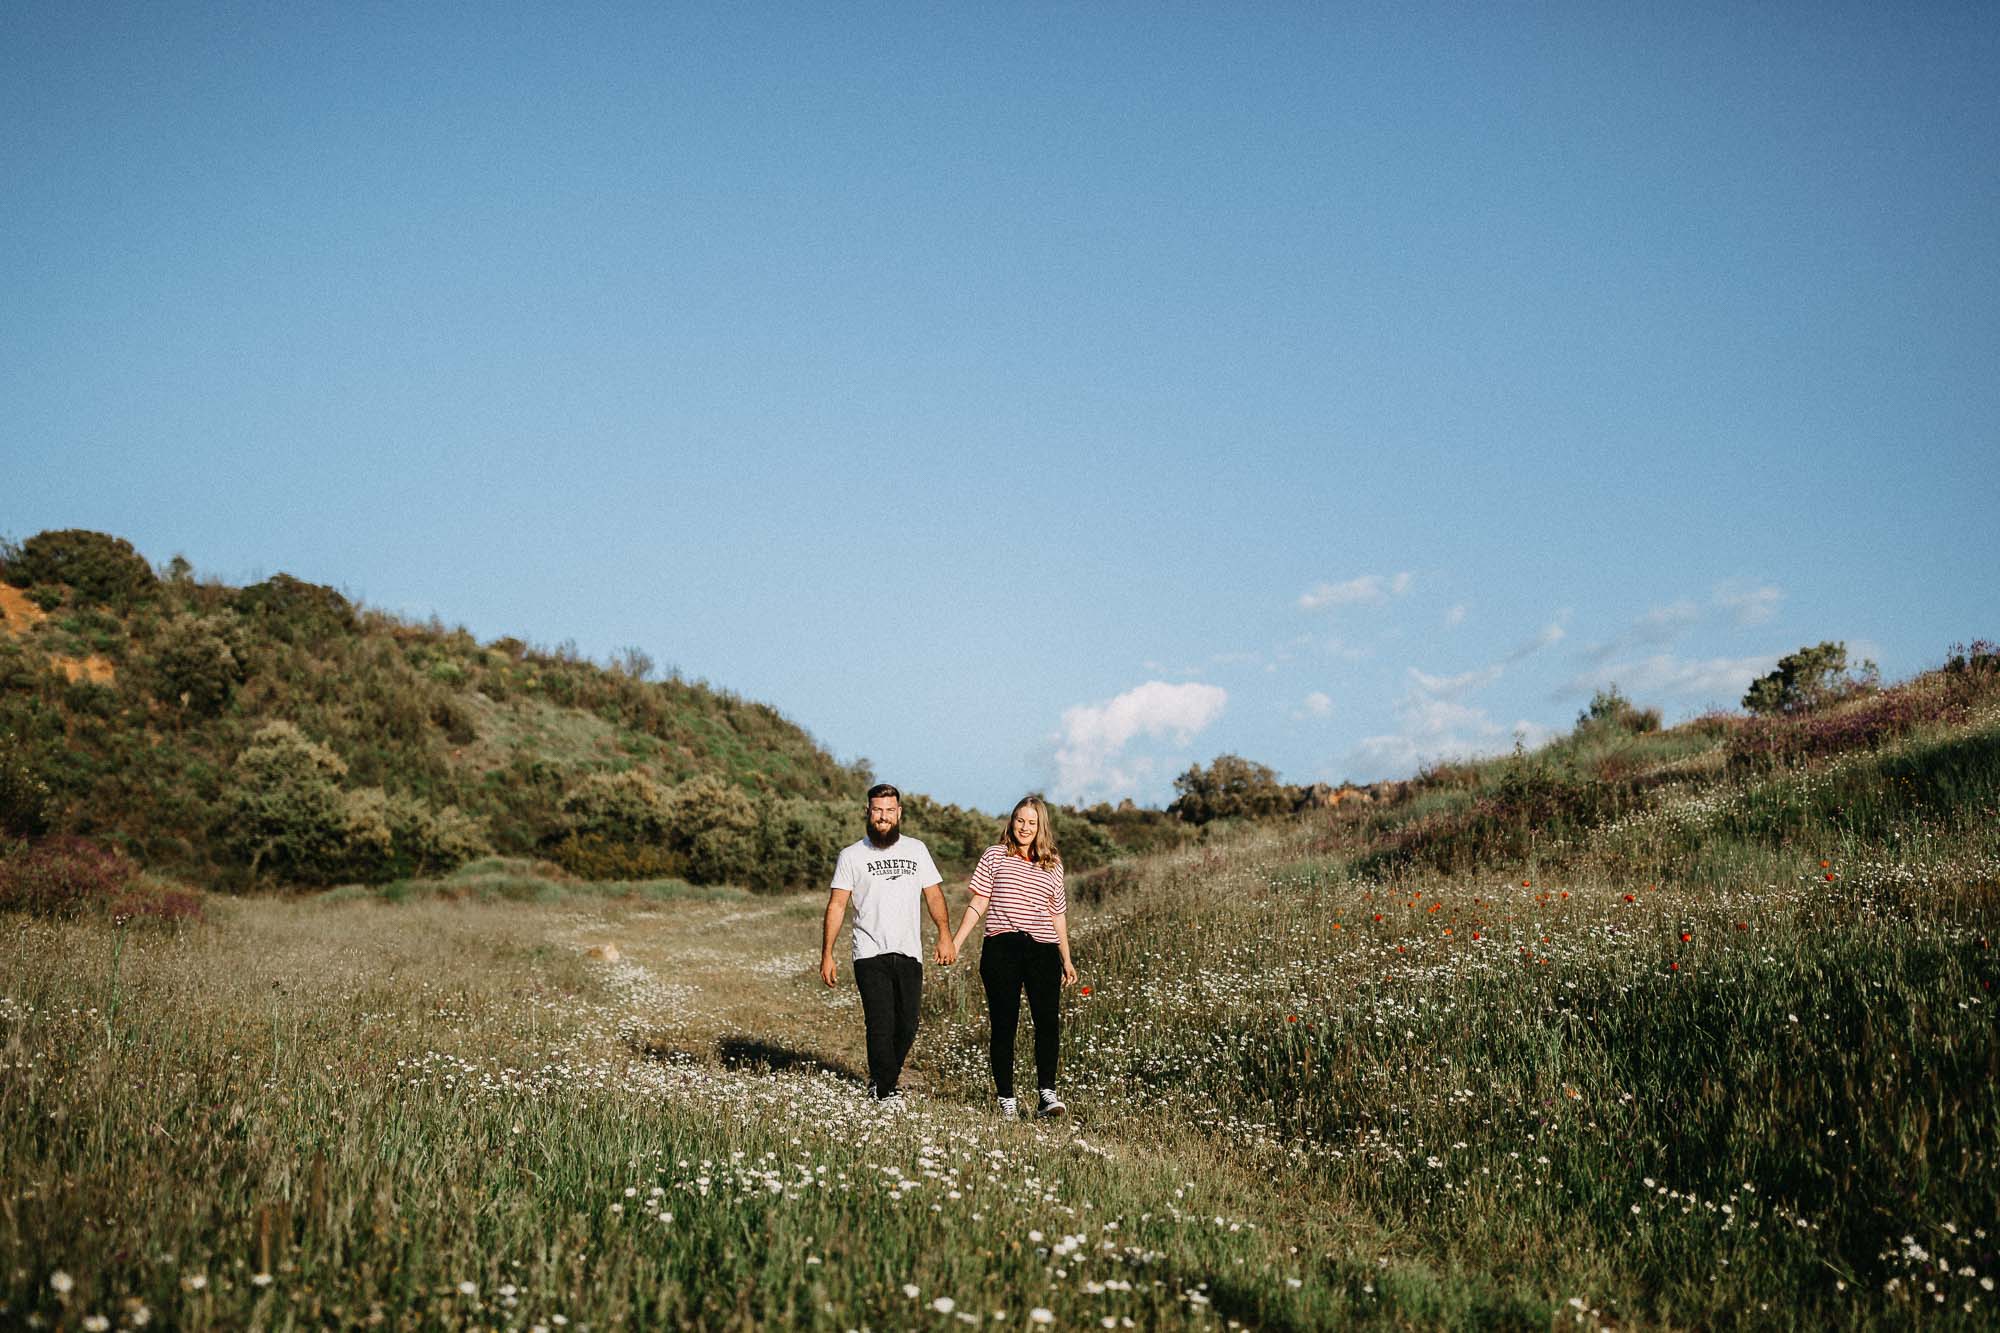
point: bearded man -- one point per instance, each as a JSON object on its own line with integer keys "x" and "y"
{"x": 886, "y": 875}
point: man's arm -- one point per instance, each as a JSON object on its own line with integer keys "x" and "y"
{"x": 947, "y": 950}
{"x": 836, "y": 912}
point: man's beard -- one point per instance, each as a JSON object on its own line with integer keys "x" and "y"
{"x": 887, "y": 839}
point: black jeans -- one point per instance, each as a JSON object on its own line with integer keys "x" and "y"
{"x": 1009, "y": 963}
{"x": 891, "y": 986}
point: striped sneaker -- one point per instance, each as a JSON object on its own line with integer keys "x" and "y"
{"x": 891, "y": 1103}
{"x": 1051, "y": 1104}
{"x": 1010, "y": 1108}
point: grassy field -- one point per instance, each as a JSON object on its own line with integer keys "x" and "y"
{"x": 1715, "y": 1049}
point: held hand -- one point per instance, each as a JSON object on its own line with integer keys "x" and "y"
{"x": 947, "y": 949}
{"x": 1069, "y": 973}
{"x": 828, "y": 972}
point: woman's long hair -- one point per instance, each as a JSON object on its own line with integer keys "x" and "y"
{"x": 1043, "y": 852}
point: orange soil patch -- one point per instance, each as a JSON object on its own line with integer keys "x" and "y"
{"x": 97, "y": 670}
{"x": 17, "y": 614}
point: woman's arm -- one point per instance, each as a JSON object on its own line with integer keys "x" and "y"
{"x": 975, "y": 910}
{"x": 1062, "y": 942}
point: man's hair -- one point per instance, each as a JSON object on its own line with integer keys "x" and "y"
{"x": 882, "y": 789}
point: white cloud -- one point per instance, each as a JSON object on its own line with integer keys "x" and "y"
{"x": 1425, "y": 685}
{"x": 1456, "y": 616}
{"x": 1435, "y": 722}
{"x": 1317, "y": 704}
{"x": 1547, "y": 636}
{"x": 1748, "y": 603}
{"x": 1366, "y": 590}
{"x": 1714, "y": 680}
{"x": 1664, "y": 624}
{"x": 1656, "y": 629}
{"x": 1090, "y": 751}
{"x": 1436, "y": 729}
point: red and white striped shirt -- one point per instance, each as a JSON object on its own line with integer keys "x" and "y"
{"x": 1024, "y": 896}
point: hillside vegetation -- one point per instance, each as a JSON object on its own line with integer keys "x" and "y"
{"x": 280, "y": 732}
{"x": 1653, "y": 1027}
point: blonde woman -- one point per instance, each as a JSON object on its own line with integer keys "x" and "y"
{"x": 1017, "y": 890}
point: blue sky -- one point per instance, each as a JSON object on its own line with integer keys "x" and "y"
{"x": 1038, "y": 397}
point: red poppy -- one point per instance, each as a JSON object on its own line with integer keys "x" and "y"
{"x": 1829, "y": 877}
{"x": 1629, "y": 898}
{"x": 1291, "y": 1018}
{"x": 1526, "y": 885}
{"x": 1084, "y": 991}
{"x": 1686, "y": 936}
{"x": 1378, "y": 916}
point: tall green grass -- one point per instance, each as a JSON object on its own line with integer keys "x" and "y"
{"x": 1713, "y": 1051}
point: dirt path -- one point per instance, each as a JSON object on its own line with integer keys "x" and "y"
{"x": 736, "y": 982}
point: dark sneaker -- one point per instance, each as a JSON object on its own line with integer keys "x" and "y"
{"x": 1010, "y": 1108}
{"x": 1051, "y": 1104}
{"x": 891, "y": 1103}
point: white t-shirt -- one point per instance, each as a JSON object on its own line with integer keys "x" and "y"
{"x": 888, "y": 885}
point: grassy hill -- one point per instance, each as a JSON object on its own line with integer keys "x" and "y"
{"x": 279, "y": 734}
{"x": 129, "y": 702}
{"x": 1652, "y": 1028}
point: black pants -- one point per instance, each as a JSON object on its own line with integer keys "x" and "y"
{"x": 1009, "y": 963}
{"x": 891, "y": 986}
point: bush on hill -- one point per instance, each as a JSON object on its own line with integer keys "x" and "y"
{"x": 1231, "y": 787}
{"x": 197, "y": 664}
{"x": 24, "y": 796}
{"x": 289, "y": 818}
{"x": 1808, "y": 679}
{"x": 293, "y": 611}
{"x": 98, "y": 567}
{"x": 1609, "y": 710}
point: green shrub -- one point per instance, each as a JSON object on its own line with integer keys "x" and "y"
{"x": 715, "y": 825}
{"x": 99, "y": 567}
{"x": 452, "y": 717}
{"x": 25, "y": 798}
{"x": 799, "y": 840}
{"x": 287, "y": 814}
{"x": 617, "y": 807}
{"x": 196, "y": 664}
{"x": 1611, "y": 711}
{"x": 1231, "y": 787}
{"x": 595, "y": 857}
{"x": 294, "y": 611}
{"x": 288, "y": 817}
{"x": 1807, "y": 679}
{"x": 425, "y": 841}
